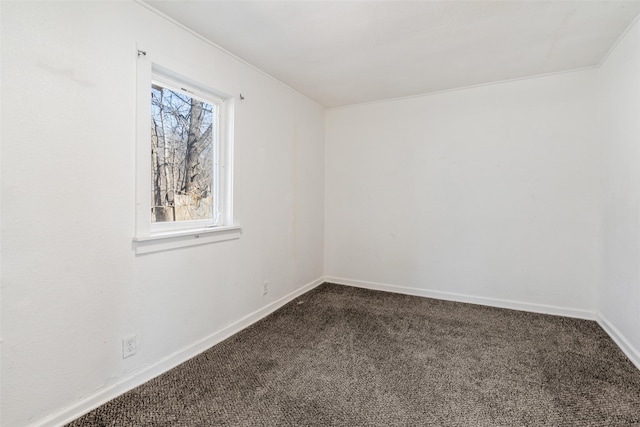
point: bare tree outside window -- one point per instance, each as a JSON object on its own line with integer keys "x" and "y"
{"x": 182, "y": 154}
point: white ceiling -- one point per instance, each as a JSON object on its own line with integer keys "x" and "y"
{"x": 348, "y": 52}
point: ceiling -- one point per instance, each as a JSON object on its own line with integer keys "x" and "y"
{"x": 348, "y": 52}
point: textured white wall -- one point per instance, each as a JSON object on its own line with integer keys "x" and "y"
{"x": 71, "y": 284}
{"x": 488, "y": 192}
{"x": 619, "y": 284}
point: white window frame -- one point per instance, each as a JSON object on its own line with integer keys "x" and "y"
{"x": 165, "y": 81}
{"x": 153, "y": 237}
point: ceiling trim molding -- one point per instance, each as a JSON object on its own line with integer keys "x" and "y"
{"x": 479, "y": 85}
{"x": 223, "y": 50}
{"x": 619, "y": 39}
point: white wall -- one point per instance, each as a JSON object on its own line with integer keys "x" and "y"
{"x": 72, "y": 287}
{"x": 619, "y": 282}
{"x": 486, "y": 194}
{"x": 490, "y": 194}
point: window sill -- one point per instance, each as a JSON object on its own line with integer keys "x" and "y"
{"x": 184, "y": 238}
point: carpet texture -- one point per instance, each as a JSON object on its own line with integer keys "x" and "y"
{"x": 342, "y": 356}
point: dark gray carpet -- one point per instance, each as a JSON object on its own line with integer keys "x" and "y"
{"x": 341, "y": 356}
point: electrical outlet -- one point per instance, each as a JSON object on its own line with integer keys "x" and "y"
{"x": 265, "y": 287}
{"x": 129, "y": 346}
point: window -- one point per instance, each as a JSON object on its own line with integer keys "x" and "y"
{"x": 184, "y": 157}
{"x": 184, "y": 161}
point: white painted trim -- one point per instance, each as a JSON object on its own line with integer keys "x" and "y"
{"x": 450, "y": 296}
{"x": 183, "y": 238}
{"x": 621, "y": 341}
{"x": 183, "y": 27}
{"x": 78, "y": 409}
{"x": 627, "y": 348}
{"x": 618, "y": 40}
{"x": 102, "y": 396}
{"x": 253, "y": 67}
{"x": 460, "y": 88}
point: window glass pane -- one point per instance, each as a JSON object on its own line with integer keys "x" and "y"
{"x": 183, "y": 131}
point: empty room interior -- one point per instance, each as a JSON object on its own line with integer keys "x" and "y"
{"x": 413, "y": 213}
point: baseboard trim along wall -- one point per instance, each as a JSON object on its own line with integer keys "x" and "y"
{"x": 629, "y": 350}
{"x": 451, "y": 296}
{"x": 102, "y": 396}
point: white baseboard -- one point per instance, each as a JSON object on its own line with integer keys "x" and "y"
{"x": 101, "y": 397}
{"x": 627, "y": 348}
{"x": 78, "y": 409}
{"x": 451, "y": 296}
